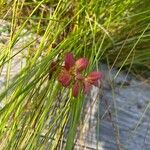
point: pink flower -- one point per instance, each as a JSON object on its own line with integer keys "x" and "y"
{"x": 71, "y": 74}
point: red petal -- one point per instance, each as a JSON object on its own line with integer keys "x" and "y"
{"x": 64, "y": 78}
{"x": 87, "y": 87}
{"x": 81, "y": 64}
{"x": 94, "y": 76}
{"x": 69, "y": 61}
{"x": 75, "y": 89}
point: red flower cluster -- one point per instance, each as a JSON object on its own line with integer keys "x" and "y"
{"x": 71, "y": 74}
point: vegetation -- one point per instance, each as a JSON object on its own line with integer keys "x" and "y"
{"x": 37, "y": 112}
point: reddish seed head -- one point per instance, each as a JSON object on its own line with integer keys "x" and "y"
{"x": 94, "y": 76}
{"x": 64, "y": 78}
{"x": 92, "y": 79}
{"x": 75, "y": 89}
{"x": 71, "y": 73}
{"x": 53, "y": 66}
{"x": 69, "y": 61}
{"x": 81, "y": 64}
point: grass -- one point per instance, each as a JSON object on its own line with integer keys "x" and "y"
{"x": 37, "y": 109}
